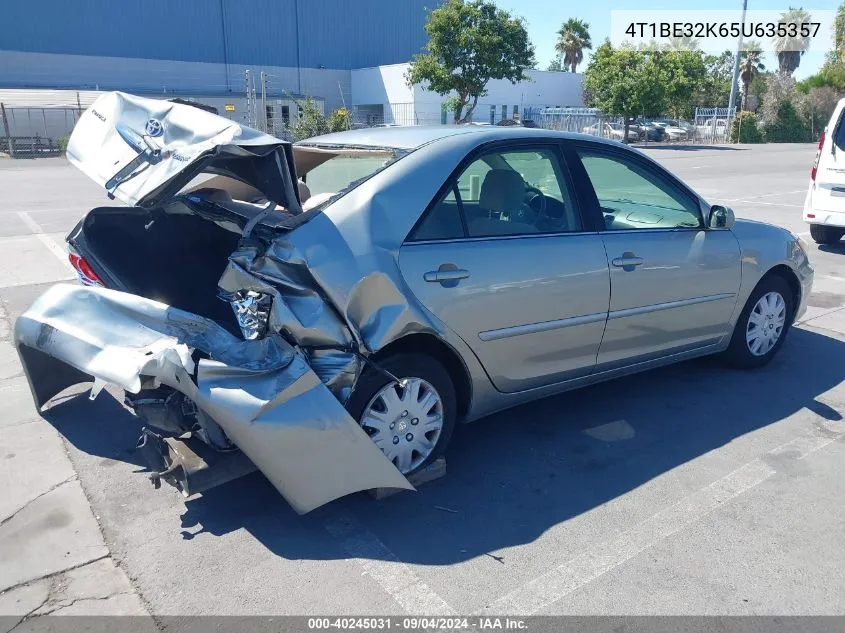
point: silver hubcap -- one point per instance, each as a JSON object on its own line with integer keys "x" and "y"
{"x": 405, "y": 421}
{"x": 765, "y": 323}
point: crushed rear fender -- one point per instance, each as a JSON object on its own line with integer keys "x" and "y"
{"x": 262, "y": 393}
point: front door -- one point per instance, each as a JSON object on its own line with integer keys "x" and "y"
{"x": 673, "y": 282}
{"x": 502, "y": 258}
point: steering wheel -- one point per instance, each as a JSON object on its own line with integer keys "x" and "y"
{"x": 533, "y": 206}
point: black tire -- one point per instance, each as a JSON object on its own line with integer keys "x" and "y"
{"x": 825, "y": 234}
{"x": 738, "y": 353}
{"x": 409, "y": 366}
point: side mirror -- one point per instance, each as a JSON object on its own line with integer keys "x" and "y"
{"x": 721, "y": 217}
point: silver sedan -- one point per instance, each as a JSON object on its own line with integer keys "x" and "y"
{"x": 381, "y": 286}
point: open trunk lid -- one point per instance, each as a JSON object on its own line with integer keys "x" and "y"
{"x": 143, "y": 151}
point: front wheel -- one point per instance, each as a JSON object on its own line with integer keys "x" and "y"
{"x": 411, "y": 422}
{"x": 825, "y": 234}
{"x": 763, "y": 324}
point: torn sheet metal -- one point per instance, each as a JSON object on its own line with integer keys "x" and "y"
{"x": 327, "y": 298}
{"x": 261, "y": 392}
{"x": 144, "y": 150}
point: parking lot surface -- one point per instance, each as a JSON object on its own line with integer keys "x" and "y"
{"x": 693, "y": 489}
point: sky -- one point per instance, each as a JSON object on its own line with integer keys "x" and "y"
{"x": 544, "y": 17}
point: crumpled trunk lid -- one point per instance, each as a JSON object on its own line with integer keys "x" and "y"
{"x": 262, "y": 393}
{"x": 143, "y": 151}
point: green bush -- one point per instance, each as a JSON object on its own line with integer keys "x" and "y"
{"x": 62, "y": 142}
{"x": 339, "y": 120}
{"x": 310, "y": 122}
{"x": 788, "y": 126}
{"x": 745, "y": 130}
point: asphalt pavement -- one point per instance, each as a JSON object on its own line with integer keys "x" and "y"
{"x": 692, "y": 489}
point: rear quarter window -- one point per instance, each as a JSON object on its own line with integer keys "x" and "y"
{"x": 839, "y": 130}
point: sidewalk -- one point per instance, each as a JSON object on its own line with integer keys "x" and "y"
{"x": 55, "y": 560}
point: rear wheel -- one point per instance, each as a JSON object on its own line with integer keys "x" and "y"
{"x": 825, "y": 234}
{"x": 763, "y": 324}
{"x": 411, "y": 422}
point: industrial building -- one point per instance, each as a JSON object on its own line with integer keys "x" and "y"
{"x": 253, "y": 60}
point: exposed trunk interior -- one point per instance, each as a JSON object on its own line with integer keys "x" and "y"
{"x": 176, "y": 259}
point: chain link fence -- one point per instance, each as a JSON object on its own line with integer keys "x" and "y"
{"x": 713, "y": 125}
{"x": 30, "y": 132}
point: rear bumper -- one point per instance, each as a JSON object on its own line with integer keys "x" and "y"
{"x": 263, "y": 393}
{"x": 825, "y": 218}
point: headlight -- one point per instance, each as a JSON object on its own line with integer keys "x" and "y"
{"x": 252, "y": 310}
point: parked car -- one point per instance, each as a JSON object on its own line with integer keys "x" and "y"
{"x": 712, "y": 130}
{"x": 600, "y": 128}
{"x": 417, "y": 278}
{"x": 650, "y": 131}
{"x": 824, "y": 205}
{"x": 673, "y": 131}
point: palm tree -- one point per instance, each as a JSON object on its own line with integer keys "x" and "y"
{"x": 751, "y": 64}
{"x": 573, "y": 39}
{"x": 790, "y": 49}
{"x": 683, "y": 44}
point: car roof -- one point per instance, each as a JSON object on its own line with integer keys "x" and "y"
{"x": 414, "y": 136}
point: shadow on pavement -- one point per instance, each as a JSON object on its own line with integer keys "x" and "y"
{"x": 518, "y": 473}
{"x": 838, "y": 248}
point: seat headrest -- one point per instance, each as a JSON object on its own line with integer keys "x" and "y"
{"x": 502, "y": 190}
{"x": 304, "y": 191}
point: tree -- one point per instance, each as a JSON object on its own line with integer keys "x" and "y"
{"x": 573, "y": 39}
{"x": 750, "y": 65}
{"x": 556, "y": 65}
{"x": 683, "y": 43}
{"x": 470, "y": 43}
{"x": 625, "y": 82}
{"x": 790, "y": 48}
{"x": 839, "y": 34}
{"x": 715, "y": 89}
{"x": 683, "y": 73}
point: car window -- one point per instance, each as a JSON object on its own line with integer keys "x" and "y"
{"x": 839, "y": 131}
{"x": 443, "y": 221}
{"x": 341, "y": 172}
{"x": 634, "y": 197}
{"x": 513, "y": 192}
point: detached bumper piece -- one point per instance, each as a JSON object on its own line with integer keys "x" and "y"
{"x": 189, "y": 465}
{"x": 262, "y": 393}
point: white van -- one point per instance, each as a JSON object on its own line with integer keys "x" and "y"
{"x": 824, "y": 207}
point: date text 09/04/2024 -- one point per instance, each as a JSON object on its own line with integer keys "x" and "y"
{"x": 722, "y": 29}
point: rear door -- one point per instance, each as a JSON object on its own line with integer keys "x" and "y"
{"x": 673, "y": 282}
{"x": 504, "y": 258}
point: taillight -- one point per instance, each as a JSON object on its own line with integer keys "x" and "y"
{"x": 83, "y": 269}
{"x": 816, "y": 162}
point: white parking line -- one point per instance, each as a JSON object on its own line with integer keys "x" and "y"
{"x": 381, "y": 564}
{"x": 50, "y": 243}
{"x": 769, "y": 204}
{"x": 604, "y": 557}
{"x": 767, "y": 195}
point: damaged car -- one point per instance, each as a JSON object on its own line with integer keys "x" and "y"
{"x": 328, "y": 311}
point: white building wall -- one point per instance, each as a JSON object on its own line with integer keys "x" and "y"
{"x": 543, "y": 89}
{"x": 385, "y": 87}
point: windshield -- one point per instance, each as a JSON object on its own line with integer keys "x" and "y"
{"x": 345, "y": 169}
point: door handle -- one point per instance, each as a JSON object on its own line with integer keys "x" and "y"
{"x": 627, "y": 262}
{"x": 446, "y": 275}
